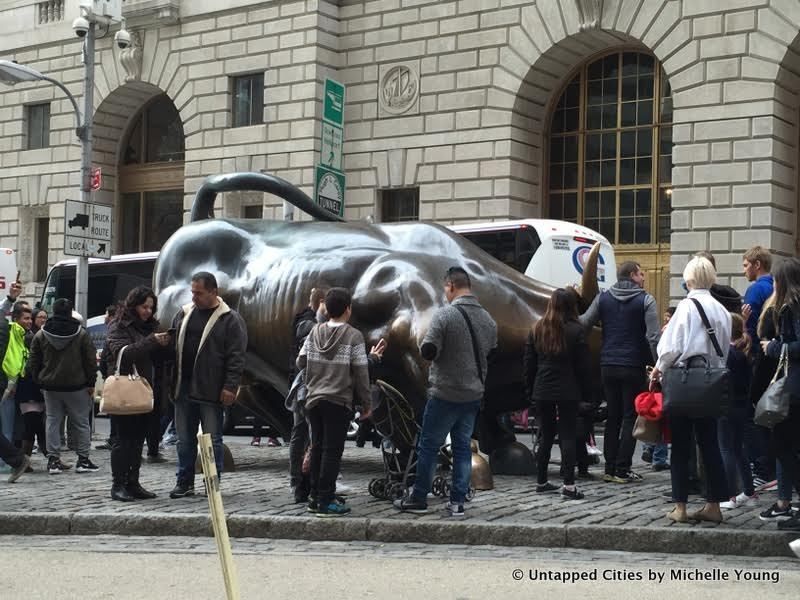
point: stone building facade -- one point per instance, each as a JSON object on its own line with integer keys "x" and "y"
{"x": 456, "y": 110}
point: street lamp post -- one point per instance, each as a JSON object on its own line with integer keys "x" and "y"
{"x": 11, "y": 73}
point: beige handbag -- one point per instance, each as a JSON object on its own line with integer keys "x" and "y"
{"x": 126, "y": 394}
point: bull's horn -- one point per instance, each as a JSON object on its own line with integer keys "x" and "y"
{"x": 589, "y": 288}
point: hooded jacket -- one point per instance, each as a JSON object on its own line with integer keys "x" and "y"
{"x": 335, "y": 360}
{"x": 16, "y": 352}
{"x": 62, "y": 357}
{"x": 220, "y": 357}
{"x": 630, "y": 325}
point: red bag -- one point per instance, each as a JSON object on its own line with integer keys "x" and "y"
{"x": 649, "y": 405}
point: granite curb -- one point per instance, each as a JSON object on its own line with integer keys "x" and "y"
{"x": 671, "y": 540}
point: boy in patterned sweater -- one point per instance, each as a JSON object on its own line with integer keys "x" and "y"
{"x": 337, "y": 377}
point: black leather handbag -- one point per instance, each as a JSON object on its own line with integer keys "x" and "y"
{"x": 697, "y": 390}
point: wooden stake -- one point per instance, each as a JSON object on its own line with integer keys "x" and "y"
{"x": 218, "y": 516}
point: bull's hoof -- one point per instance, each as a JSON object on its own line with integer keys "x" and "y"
{"x": 227, "y": 461}
{"x": 512, "y": 459}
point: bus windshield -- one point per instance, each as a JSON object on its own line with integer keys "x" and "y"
{"x": 514, "y": 246}
{"x": 109, "y": 282}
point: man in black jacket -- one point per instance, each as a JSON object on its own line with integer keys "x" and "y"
{"x": 631, "y": 330}
{"x": 210, "y": 345}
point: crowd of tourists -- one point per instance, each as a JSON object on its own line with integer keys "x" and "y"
{"x": 195, "y": 368}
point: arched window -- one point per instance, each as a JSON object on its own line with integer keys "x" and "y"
{"x": 610, "y": 150}
{"x": 151, "y": 178}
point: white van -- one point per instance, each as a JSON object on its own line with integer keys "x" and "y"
{"x": 553, "y": 252}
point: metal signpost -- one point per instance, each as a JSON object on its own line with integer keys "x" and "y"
{"x": 329, "y": 180}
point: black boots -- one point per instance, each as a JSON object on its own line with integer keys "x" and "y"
{"x": 119, "y": 472}
{"x": 126, "y": 460}
{"x": 134, "y": 487}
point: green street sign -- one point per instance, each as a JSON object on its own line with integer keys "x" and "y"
{"x": 329, "y": 190}
{"x": 333, "y": 103}
{"x": 331, "y": 150}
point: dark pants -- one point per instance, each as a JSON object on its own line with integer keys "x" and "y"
{"x": 298, "y": 442}
{"x": 558, "y": 416}
{"x": 621, "y": 386}
{"x": 583, "y": 427}
{"x": 705, "y": 432}
{"x": 730, "y": 431}
{"x": 756, "y": 438}
{"x": 329, "y": 424}
{"x": 9, "y": 453}
{"x": 35, "y": 429}
{"x": 126, "y": 447}
{"x": 154, "y": 431}
{"x": 786, "y": 443}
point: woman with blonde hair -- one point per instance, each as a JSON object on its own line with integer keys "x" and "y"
{"x": 685, "y": 340}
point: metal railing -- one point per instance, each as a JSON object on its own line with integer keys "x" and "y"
{"x": 50, "y": 11}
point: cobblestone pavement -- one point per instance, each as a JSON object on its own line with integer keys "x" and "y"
{"x": 259, "y": 488}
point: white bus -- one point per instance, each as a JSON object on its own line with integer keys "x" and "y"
{"x": 553, "y": 252}
{"x": 109, "y": 282}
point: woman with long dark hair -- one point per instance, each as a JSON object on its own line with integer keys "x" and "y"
{"x": 556, "y": 366}
{"x": 786, "y": 435}
{"x": 134, "y": 329}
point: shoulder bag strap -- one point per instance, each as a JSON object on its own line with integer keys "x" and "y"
{"x": 474, "y": 342}
{"x": 134, "y": 374}
{"x": 709, "y": 329}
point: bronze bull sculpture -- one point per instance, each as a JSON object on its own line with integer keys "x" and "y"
{"x": 266, "y": 270}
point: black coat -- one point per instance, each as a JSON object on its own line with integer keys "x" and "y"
{"x": 789, "y": 333}
{"x": 141, "y": 348}
{"x": 561, "y": 377}
{"x": 221, "y": 358}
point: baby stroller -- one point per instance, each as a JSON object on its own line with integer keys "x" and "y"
{"x": 395, "y": 422}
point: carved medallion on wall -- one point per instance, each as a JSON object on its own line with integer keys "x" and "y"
{"x": 398, "y": 89}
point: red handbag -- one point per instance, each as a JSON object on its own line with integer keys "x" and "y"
{"x": 650, "y": 406}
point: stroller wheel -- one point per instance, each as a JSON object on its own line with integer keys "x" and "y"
{"x": 445, "y": 489}
{"x": 380, "y": 489}
{"x": 372, "y": 489}
{"x": 470, "y": 493}
{"x": 437, "y": 485}
{"x": 395, "y": 491}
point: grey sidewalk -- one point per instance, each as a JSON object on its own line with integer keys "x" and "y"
{"x": 258, "y": 504}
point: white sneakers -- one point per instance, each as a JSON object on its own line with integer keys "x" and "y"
{"x": 795, "y": 546}
{"x": 740, "y": 501}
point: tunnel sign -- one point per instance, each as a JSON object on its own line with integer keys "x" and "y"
{"x": 87, "y": 229}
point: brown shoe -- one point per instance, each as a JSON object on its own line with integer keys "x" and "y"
{"x": 702, "y": 515}
{"x": 678, "y": 516}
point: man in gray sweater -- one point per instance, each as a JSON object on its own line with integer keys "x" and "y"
{"x": 458, "y": 343}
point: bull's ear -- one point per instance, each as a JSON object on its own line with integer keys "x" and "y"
{"x": 589, "y": 287}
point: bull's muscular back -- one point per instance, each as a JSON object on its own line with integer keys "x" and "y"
{"x": 266, "y": 270}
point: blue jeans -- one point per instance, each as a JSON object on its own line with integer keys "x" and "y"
{"x": 660, "y": 453}
{"x": 188, "y": 415}
{"x": 443, "y": 417}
